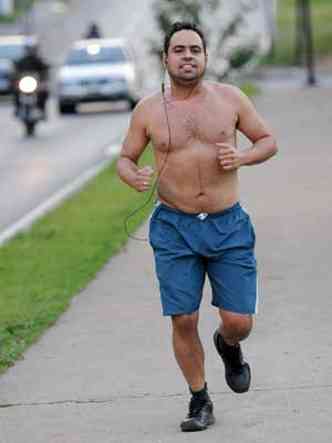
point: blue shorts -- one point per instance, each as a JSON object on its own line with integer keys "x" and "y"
{"x": 189, "y": 246}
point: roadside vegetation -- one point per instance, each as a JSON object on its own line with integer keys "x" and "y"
{"x": 234, "y": 44}
{"x": 284, "y": 53}
{"x": 41, "y": 270}
{"x": 20, "y": 6}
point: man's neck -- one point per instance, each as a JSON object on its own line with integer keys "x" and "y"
{"x": 184, "y": 92}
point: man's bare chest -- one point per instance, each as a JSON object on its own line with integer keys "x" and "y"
{"x": 188, "y": 126}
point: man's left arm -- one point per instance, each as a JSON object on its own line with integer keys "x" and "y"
{"x": 252, "y": 125}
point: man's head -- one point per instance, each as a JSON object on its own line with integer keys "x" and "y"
{"x": 93, "y": 27}
{"x": 31, "y": 50}
{"x": 185, "y": 54}
{"x": 181, "y": 26}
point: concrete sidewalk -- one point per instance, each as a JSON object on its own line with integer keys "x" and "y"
{"x": 105, "y": 372}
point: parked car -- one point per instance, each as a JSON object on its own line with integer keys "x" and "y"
{"x": 97, "y": 70}
{"x": 11, "y": 49}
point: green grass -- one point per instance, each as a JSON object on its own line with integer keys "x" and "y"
{"x": 41, "y": 270}
{"x": 250, "y": 89}
{"x": 20, "y": 6}
{"x": 322, "y": 30}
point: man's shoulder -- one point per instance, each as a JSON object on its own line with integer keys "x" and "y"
{"x": 229, "y": 93}
{"x": 148, "y": 103}
{"x": 145, "y": 109}
{"x": 226, "y": 89}
{"x": 151, "y": 99}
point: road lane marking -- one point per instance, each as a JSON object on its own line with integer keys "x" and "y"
{"x": 27, "y": 220}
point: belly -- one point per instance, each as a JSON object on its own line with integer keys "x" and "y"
{"x": 193, "y": 181}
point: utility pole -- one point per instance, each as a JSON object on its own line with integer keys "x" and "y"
{"x": 299, "y": 34}
{"x": 310, "y": 59}
{"x": 304, "y": 50}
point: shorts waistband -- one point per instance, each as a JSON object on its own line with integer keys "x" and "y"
{"x": 201, "y": 215}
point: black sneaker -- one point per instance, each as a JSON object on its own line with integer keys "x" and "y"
{"x": 200, "y": 416}
{"x": 237, "y": 371}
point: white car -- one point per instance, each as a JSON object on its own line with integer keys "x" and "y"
{"x": 97, "y": 70}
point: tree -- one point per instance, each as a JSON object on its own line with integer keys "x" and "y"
{"x": 230, "y": 43}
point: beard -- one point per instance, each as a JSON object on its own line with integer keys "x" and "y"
{"x": 186, "y": 79}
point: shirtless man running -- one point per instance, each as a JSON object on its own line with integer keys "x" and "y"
{"x": 199, "y": 227}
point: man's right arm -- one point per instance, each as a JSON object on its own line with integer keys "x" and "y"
{"x": 133, "y": 146}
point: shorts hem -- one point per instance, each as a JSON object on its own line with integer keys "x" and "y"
{"x": 234, "y": 309}
{"x": 185, "y": 312}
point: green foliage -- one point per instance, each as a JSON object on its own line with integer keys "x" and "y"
{"x": 232, "y": 44}
{"x": 284, "y": 52}
{"x": 240, "y": 57}
{"x": 250, "y": 89}
{"x": 166, "y": 12}
{"x": 20, "y": 6}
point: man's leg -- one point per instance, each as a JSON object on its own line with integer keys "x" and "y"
{"x": 233, "y": 278}
{"x": 16, "y": 102}
{"x": 233, "y": 329}
{"x": 41, "y": 102}
{"x": 181, "y": 274}
{"x": 189, "y": 354}
{"x": 188, "y": 349}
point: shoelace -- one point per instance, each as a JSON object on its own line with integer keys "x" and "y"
{"x": 195, "y": 407}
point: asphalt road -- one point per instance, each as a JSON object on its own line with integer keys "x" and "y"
{"x": 32, "y": 170}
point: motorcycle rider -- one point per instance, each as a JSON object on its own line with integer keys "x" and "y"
{"x": 32, "y": 63}
{"x": 93, "y": 31}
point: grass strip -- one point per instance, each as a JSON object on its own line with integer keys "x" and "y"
{"x": 20, "y": 7}
{"x": 42, "y": 269}
{"x": 321, "y": 24}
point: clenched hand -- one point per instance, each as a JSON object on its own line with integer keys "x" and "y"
{"x": 143, "y": 179}
{"x": 229, "y": 156}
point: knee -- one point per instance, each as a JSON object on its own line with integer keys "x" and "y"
{"x": 185, "y": 324}
{"x": 237, "y": 326}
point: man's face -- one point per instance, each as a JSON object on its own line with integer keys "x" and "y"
{"x": 31, "y": 51}
{"x": 186, "y": 60}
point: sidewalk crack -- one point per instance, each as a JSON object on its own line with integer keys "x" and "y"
{"x": 153, "y": 396}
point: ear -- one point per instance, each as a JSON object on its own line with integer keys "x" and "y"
{"x": 165, "y": 60}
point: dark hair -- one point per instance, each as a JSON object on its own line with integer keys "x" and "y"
{"x": 180, "y": 26}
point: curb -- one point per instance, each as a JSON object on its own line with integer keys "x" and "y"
{"x": 57, "y": 198}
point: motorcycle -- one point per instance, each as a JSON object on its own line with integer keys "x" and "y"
{"x": 28, "y": 110}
